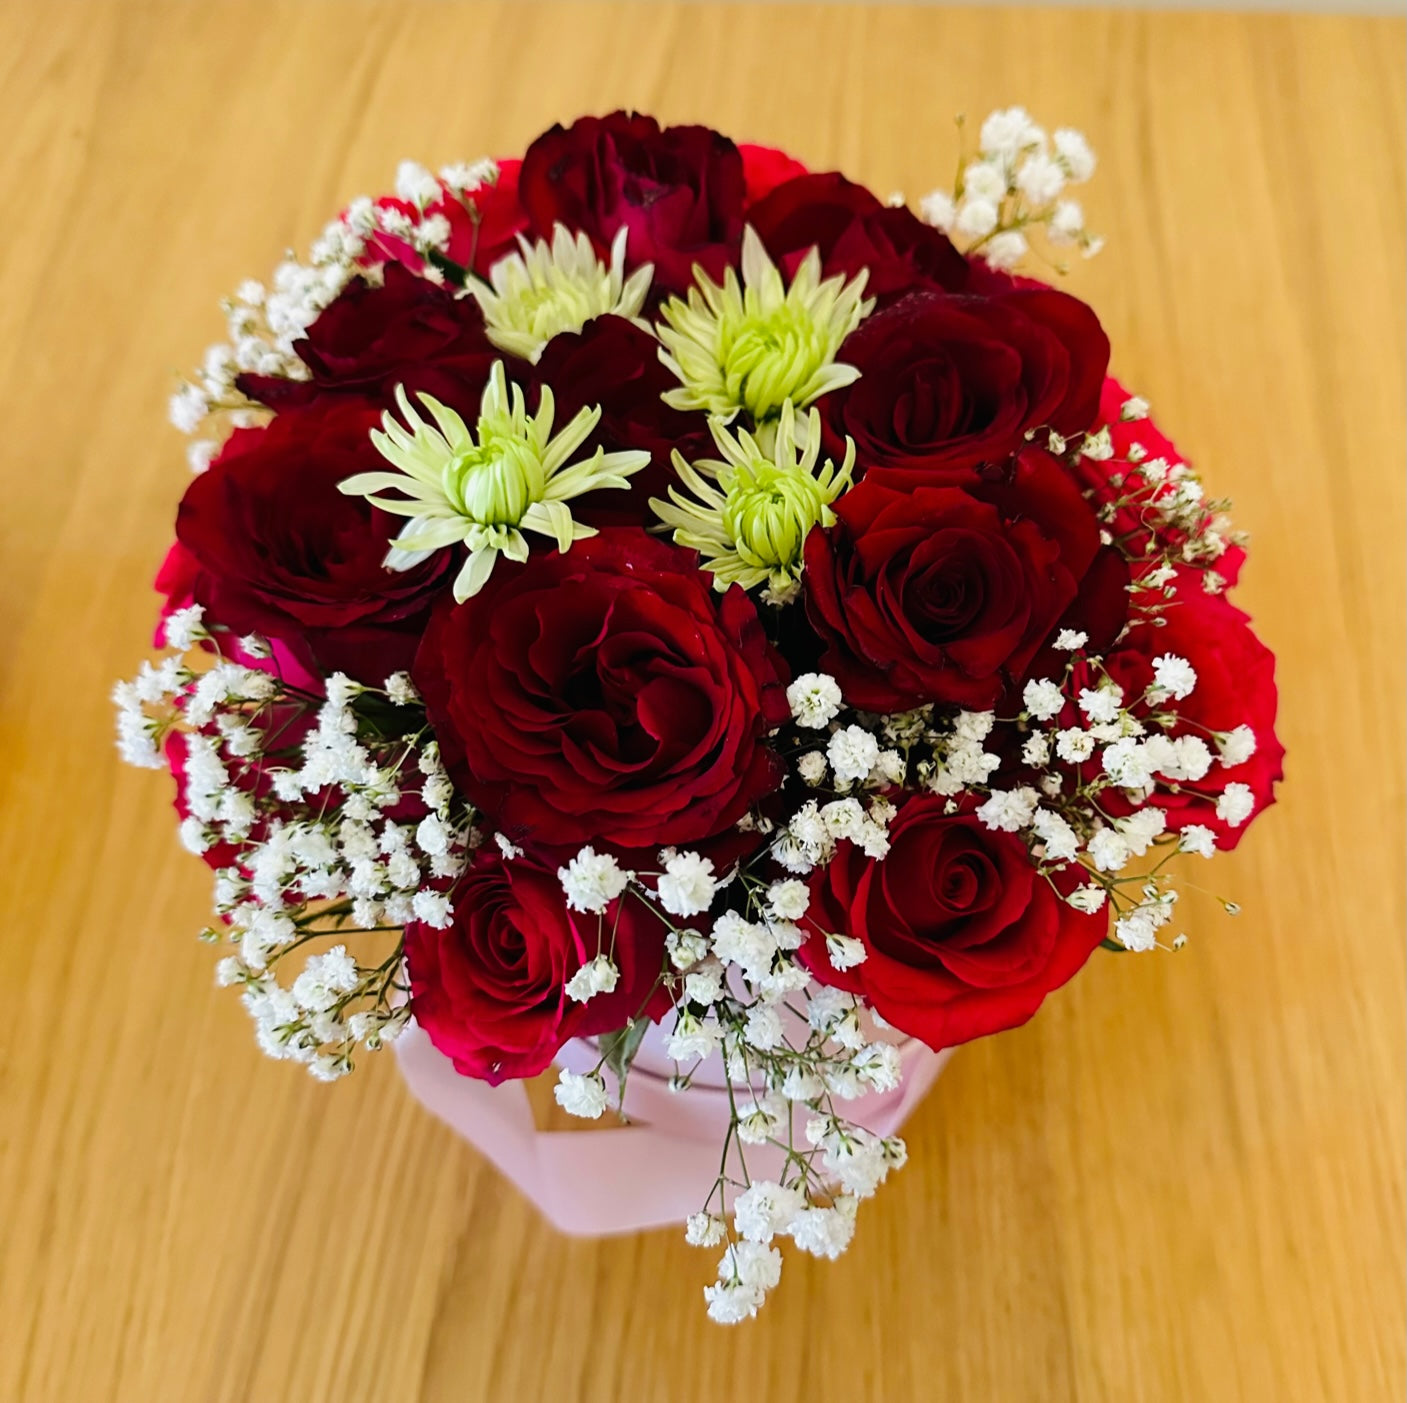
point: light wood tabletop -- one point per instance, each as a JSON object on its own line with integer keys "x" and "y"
{"x": 1183, "y": 1181}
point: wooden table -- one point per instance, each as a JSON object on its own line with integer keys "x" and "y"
{"x": 1183, "y": 1182}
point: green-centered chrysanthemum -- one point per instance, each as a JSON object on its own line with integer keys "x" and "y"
{"x": 483, "y": 488}
{"x": 549, "y": 288}
{"x": 754, "y": 508}
{"x": 757, "y": 345}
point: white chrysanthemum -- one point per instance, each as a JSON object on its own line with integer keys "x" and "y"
{"x": 550, "y": 288}
{"x": 755, "y": 345}
{"x": 484, "y": 488}
{"x": 752, "y": 510}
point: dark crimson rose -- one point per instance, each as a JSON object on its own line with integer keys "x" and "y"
{"x": 407, "y": 332}
{"x": 490, "y": 989}
{"x": 855, "y": 232}
{"x": 678, "y": 190}
{"x": 276, "y": 549}
{"x": 945, "y": 593}
{"x": 614, "y": 365}
{"x": 1235, "y": 687}
{"x": 963, "y": 937}
{"x": 951, "y": 381}
{"x": 608, "y": 694}
{"x": 765, "y": 168}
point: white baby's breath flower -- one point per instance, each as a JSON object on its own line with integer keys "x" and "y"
{"x": 1236, "y": 746}
{"x": 688, "y": 885}
{"x": 581, "y": 1094}
{"x": 596, "y": 976}
{"x": 592, "y": 880}
{"x": 1173, "y": 676}
{"x": 433, "y": 908}
{"x": 1088, "y": 898}
{"x": 1236, "y": 804}
{"x": 844, "y": 951}
{"x": 788, "y": 900}
{"x": 1074, "y": 745}
{"x": 1070, "y": 640}
{"x": 825, "y": 1232}
{"x": 936, "y": 208}
{"x": 1005, "y": 250}
{"x": 976, "y": 218}
{"x": 1074, "y": 153}
{"x": 1035, "y": 751}
{"x": 1008, "y": 810}
{"x": 1040, "y": 178}
{"x": 814, "y": 698}
{"x": 1109, "y": 850}
{"x": 765, "y": 1209}
{"x": 1067, "y": 223}
{"x": 1199, "y": 839}
{"x": 1008, "y": 132}
{"x": 1043, "y": 698}
{"x": 704, "y": 1230}
{"x": 853, "y": 753}
{"x": 1103, "y": 703}
{"x": 982, "y": 180}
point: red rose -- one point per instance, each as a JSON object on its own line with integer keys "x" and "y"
{"x": 490, "y": 989}
{"x": 278, "y": 550}
{"x": 855, "y": 232}
{"x": 949, "y": 381}
{"x": 678, "y": 190}
{"x": 407, "y": 332}
{"x": 1235, "y": 687}
{"x": 613, "y": 365}
{"x": 963, "y": 937}
{"x": 945, "y": 593}
{"x": 765, "y": 168}
{"x": 605, "y": 695}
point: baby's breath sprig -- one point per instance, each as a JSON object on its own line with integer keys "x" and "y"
{"x": 1013, "y": 185}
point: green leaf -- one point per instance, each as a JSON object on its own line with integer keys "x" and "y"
{"x": 619, "y": 1048}
{"x": 1108, "y": 944}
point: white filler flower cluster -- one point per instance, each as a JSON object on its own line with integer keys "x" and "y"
{"x": 294, "y": 800}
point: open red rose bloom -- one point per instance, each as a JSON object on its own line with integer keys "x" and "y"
{"x": 652, "y": 581}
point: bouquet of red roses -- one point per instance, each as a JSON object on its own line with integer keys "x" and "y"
{"x": 650, "y": 582}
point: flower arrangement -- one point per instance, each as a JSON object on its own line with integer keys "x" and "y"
{"x": 652, "y": 583}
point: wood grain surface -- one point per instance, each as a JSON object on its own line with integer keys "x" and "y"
{"x": 1183, "y": 1181}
